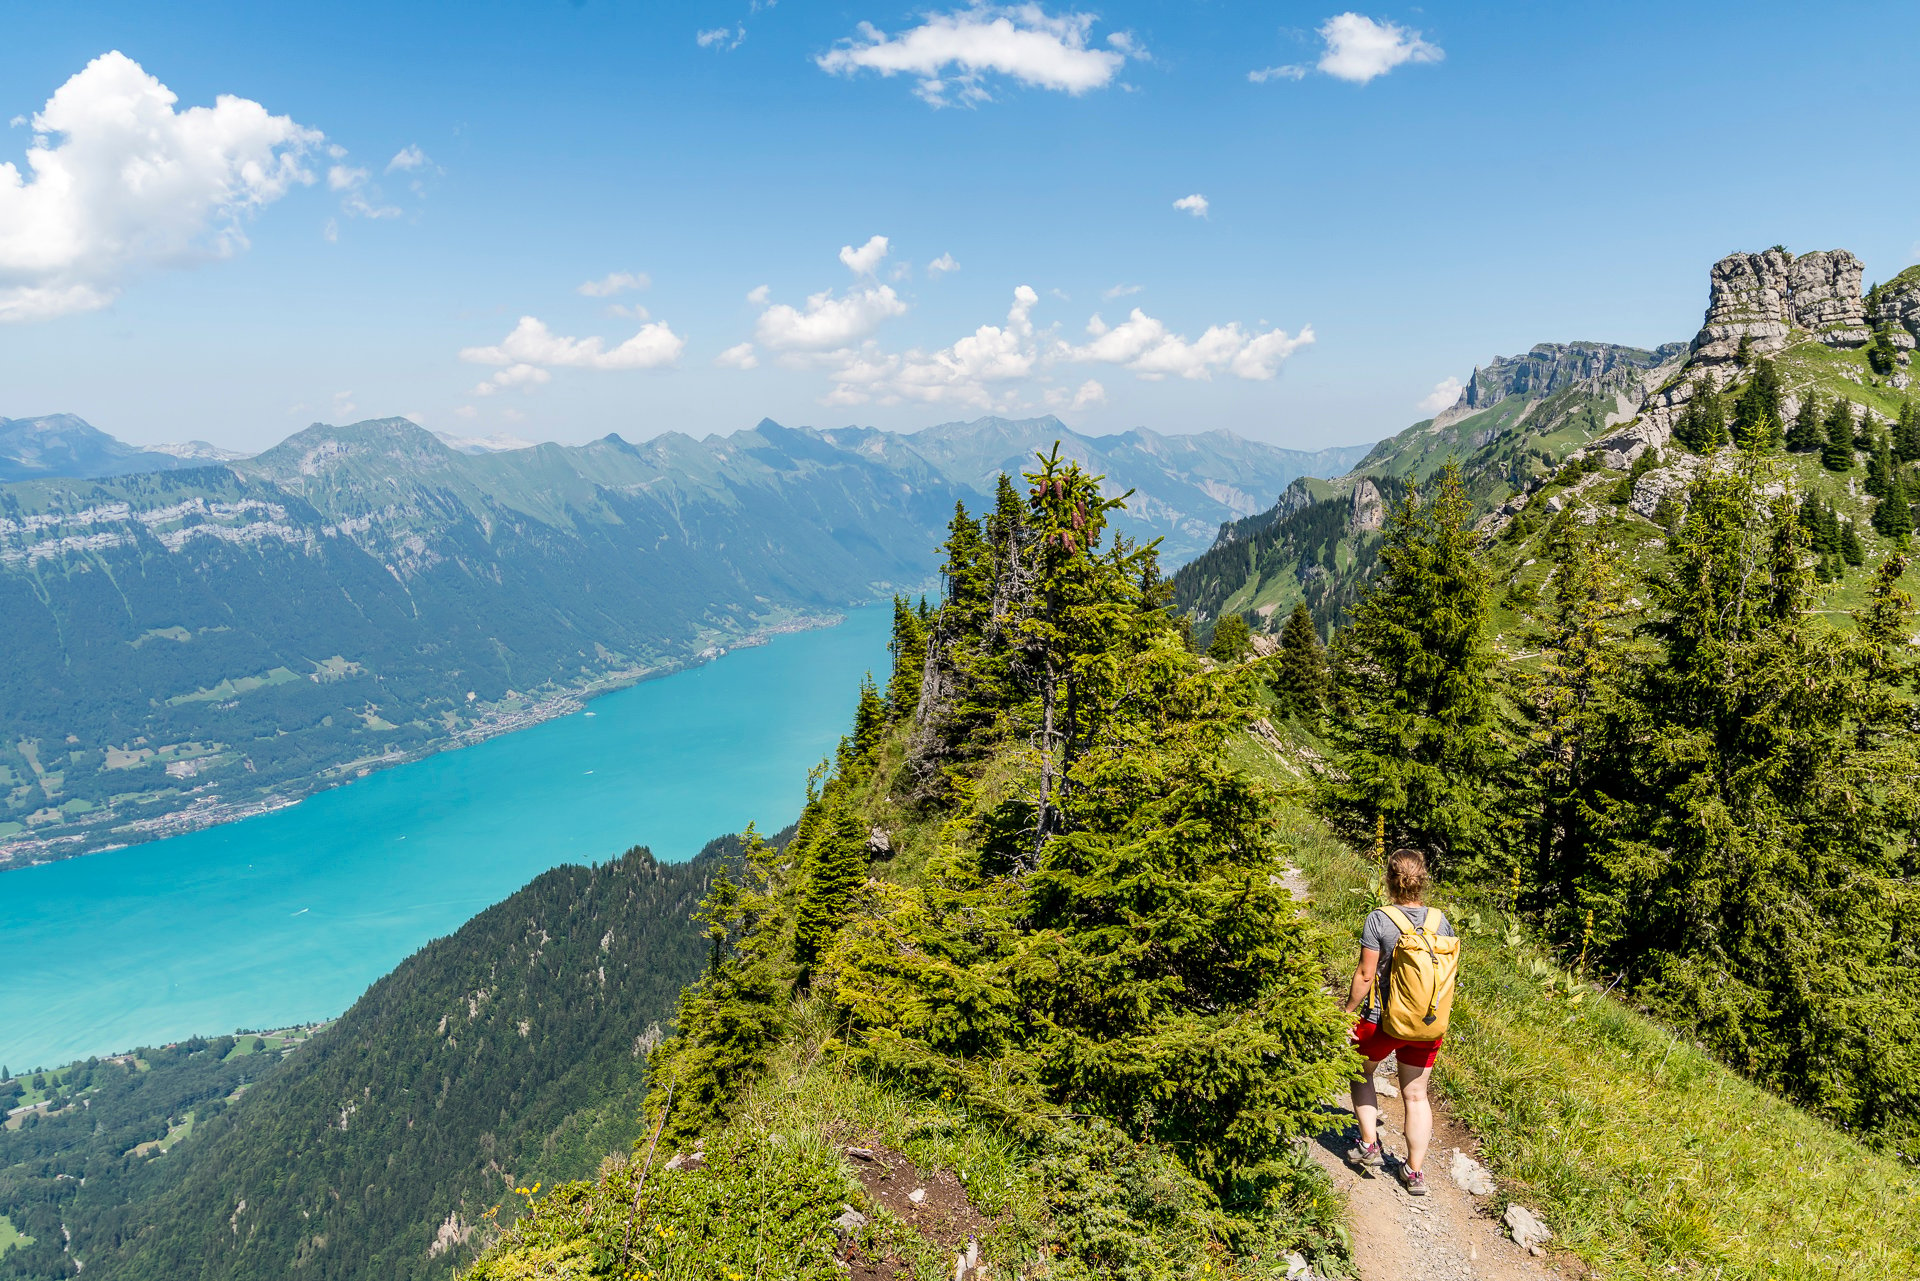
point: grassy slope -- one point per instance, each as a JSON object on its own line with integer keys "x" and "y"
{"x": 1646, "y": 1157}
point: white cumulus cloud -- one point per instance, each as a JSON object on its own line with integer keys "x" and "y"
{"x": 961, "y": 374}
{"x": 759, "y": 294}
{"x": 738, "y": 356}
{"x": 863, "y": 261}
{"x": 941, "y": 266}
{"x": 1359, "y": 49}
{"x": 1196, "y": 204}
{"x": 1118, "y": 291}
{"x": 1444, "y": 393}
{"x": 953, "y": 54}
{"x": 724, "y": 38}
{"x": 525, "y": 355}
{"x": 615, "y": 283}
{"x": 1149, "y": 349}
{"x": 828, "y": 322}
{"x": 122, "y": 182}
{"x": 408, "y": 158}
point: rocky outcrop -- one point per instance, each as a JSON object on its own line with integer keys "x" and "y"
{"x": 1369, "y": 510}
{"x": 1764, "y": 297}
{"x": 1825, "y": 297}
{"x": 1897, "y": 306}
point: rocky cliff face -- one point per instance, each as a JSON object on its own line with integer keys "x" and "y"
{"x": 1765, "y": 297}
{"x": 1551, "y": 366}
{"x": 1897, "y": 306}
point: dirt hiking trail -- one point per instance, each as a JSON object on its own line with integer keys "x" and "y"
{"x": 1448, "y": 1235}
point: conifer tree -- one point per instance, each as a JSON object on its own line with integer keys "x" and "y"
{"x": 1879, "y": 468}
{"x": 1906, "y": 436}
{"x": 1851, "y": 550}
{"x": 834, "y": 866}
{"x": 1892, "y": 517}
{"x": 1300, "y": 671}
{"x": 1759, "y": 803}
{"x": 1837, "y": 453}
{"x": 1756, "y": 414}
{"x": 869, "y": 717}
{"x": 1702, "y": 425}
{"x": 1417, "y": 745}
{"x": 1230, "y": 636}
{"x": 909, "y": 650}
{"x": 1806, "y": 434}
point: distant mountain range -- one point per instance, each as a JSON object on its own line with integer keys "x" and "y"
{"x": 196, "y": 639}
{"x": 63, "y": 445}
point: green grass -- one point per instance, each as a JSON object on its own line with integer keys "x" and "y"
{"x": 1646, "y": 1157}
{"x": 11, "y": 1236}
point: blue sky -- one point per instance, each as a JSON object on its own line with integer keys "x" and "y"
{"x": 1417, "y": 189}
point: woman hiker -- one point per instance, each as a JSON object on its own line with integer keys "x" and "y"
{"x": 1406, "y": 885}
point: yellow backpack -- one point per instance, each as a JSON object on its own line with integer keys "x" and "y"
{"x": 1420, "y": 981}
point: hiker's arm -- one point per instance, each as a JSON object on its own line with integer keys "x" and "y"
{"x": 1363, "y": 978}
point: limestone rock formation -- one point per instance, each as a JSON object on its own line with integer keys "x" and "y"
{"x": 1369, "y": 510}
{"x": 1826, "y": 298}
{"x": 1898, "y": 308}
{"x": 1551, "y": 366}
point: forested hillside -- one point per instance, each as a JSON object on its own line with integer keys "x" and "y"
{"x": 192, "y": 645}
{"x": 1665, "y": 685}
{"x": 512, "y": 1052}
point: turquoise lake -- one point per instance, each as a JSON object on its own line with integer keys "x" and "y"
{"x": 288, "y": 917}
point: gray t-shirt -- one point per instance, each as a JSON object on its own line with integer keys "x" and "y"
{"x": 1381, "y": 933}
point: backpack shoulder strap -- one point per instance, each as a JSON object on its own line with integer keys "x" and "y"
{"x": 1435, "y": 919}
{"x": 1400, "y": 918}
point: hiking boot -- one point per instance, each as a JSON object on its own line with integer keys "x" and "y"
{"x": 1365, "y": 1156}
{"x": 1414, "y": 1181}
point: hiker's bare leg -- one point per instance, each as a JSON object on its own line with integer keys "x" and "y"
{"x": 1366, "y": 1106}
{"x": 1413, "y": 1092}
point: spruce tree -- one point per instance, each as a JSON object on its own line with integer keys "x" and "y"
{"x": 1852, "y": 551}
{"x": 1300, "y": 671}
{"x": 1230, "y": 637}
{"x": 834, "y": 866}
{"x": 1906, "y": 436}
{"x": 1806, "y": 434}
{"x": 1757, "y": 801}
{"x": 1837, "y": 453}
{"x": 909, "y": 650}
{"x": 1417, "y": 746}
{"x": 1879, "y": 468}
{"x": 1756, "y": 414}
{"x": 1702, "y": 425}
{"x": 869, "y": 717}
{"x": 1892, "y": 517}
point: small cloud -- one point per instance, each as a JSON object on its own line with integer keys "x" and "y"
{"x": 627, "y": 311}
{"x": 738, "y": 356}
{"x": 953, "y": 54}
{"x": 408, "y": 158}
{"x": 1061, "y": 294}
{"x": 341, "y": 178}
{"x": 759, "y": 294}
{"x": 343, "y": 406}
{"x": 524, "y": 356}
{"x": 722, "y": 38}
{"x": 1089, "y": 393}
{"x": 1444, "y": 394}
{"x": 1359, "y": 49}
{"x": 941, "y": 266}
{"x": 863, "y": 260}
{"x": 1118, "y": 291}
{"x": 466, "y": 411}
{"x": 618, "y": 282}
{"x": 16, "y": 122}
{"x": 331, "y": 232}
{"x": 1264, "y": 74}
{"x": 1195, "y": 204}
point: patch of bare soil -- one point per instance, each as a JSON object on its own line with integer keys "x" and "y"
{"x": 933, "y": 1203}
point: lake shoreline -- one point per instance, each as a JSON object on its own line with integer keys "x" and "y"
{"x": 210, "y": 810}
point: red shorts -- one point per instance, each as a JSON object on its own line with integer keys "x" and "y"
{"x": 1375, "y": 1045}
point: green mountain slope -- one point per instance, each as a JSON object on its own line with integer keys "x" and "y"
{"x": 512, "y": 1051}
{"x": 63, "y": 445}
